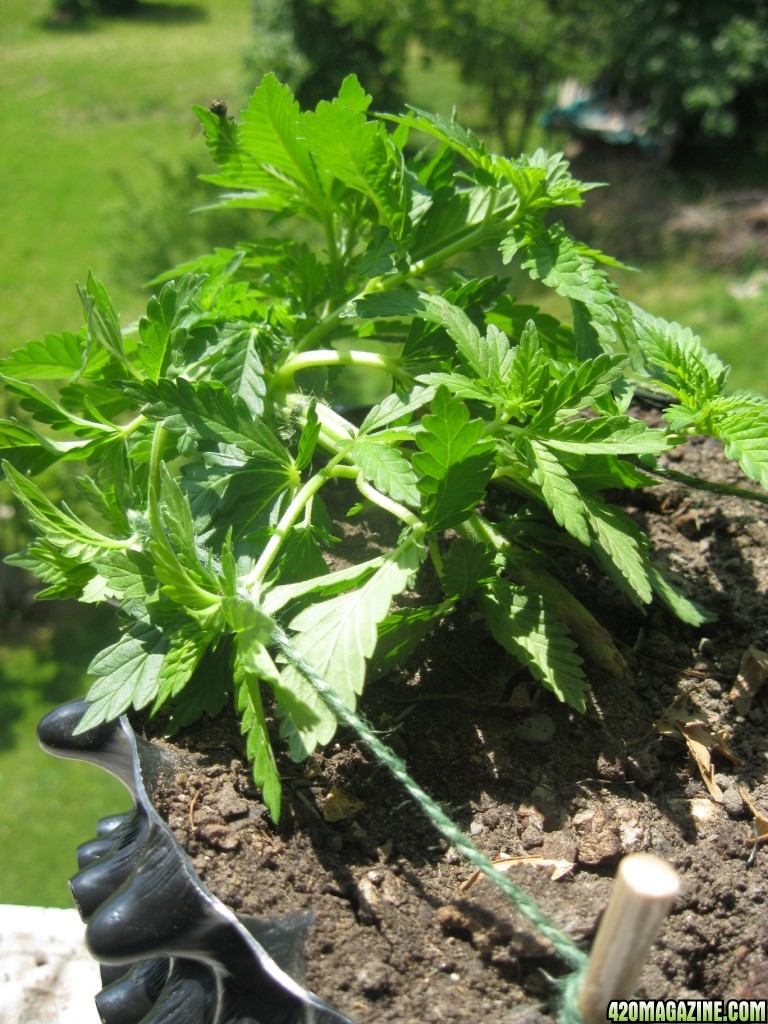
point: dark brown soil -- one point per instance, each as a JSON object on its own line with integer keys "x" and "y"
{"x": 395, "y": 938}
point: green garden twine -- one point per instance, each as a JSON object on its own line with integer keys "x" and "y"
{"x": 569, "y": 987}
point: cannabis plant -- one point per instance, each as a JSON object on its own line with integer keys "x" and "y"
{"x": 204, "y": 439}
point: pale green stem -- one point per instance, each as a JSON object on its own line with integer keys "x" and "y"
{"x": 491, "y": 207}
{"x": 478, "y": 528}
{"x": 435, "y": 555}
{"x": 501, "y": 419}
{"x": 159, "y": 438}
{"x": 474, "y": 238}
{"x": 477, "y": 236}
{"x": 258, "y": 574}
{"x": 134, "y": 425}
{"x": 331, "y": 357}
{"x": 387, "y": 503}
{"x": 333, "y": 250}
{"x": 323, "y": 328}
{"x": 334, "y": 429}
{"x": 346, "y": 473}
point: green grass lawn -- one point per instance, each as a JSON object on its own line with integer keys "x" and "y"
{"x": 49, "y": 806}
{"x": 82, "y": 108}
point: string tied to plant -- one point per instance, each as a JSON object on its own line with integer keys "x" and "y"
{"x": 564, "y": 946}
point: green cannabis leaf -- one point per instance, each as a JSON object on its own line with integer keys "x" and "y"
{"x": 528, "y": 627}
{"x": 454, "y": 462}
{"x": 127, "y": 674}
{"x": 336, "y": 637}
{"x": 346, "y": 357}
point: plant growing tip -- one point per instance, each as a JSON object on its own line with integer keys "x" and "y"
{"x": 203, "y": 442}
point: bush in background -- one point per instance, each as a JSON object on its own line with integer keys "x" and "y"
{"x": 699, "y": 67}
{"x": 312, "y": 45}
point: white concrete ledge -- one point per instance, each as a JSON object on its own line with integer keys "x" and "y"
{"x": 46, "y": 973}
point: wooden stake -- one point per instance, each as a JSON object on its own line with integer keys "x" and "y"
{"x": 643, "y": 893}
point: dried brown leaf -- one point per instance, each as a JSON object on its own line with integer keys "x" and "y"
{"x": 759, "y": 820}
{"x": 753, "y": 672}
{"x": 698, "y": 738}
{"x": 339, "y": 806}
{"x": 560, "y": 868}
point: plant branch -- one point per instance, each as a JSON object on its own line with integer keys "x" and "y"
{"x": 334, "y": 429}
{"x": 159, "y": 440}
{"x": 288, "y": 519}
{"x": 331, "y": 357}
{"x": 592, "y": 637}
{"x": 128, "y": 428}
{"x": 700, "y": 484}
{"x": 387, "y": 503}
{"x": 470, "y": 239}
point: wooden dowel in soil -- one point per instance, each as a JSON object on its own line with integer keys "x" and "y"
{"x": 643, "y": 893}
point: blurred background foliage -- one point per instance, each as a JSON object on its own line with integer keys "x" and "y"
{"x": 662, "y": 99}
{"x": 698, "y": 70}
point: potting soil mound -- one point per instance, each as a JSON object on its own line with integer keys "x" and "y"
{"x": 398, "y": 933}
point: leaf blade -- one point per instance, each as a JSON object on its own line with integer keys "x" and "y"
{"x": 524, "y": 624}
{"x": 336, "y": 637}
{"x": 454, "y": 462}
{"x": 387, "y": 469}
{"x": 127, "y": 674}
{"x": 208, "y": 410}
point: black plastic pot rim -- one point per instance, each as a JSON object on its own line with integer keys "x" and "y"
{"x": 170, "y": 951}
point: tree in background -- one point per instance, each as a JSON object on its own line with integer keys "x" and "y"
{"x": 312, "y": 45}
{"x": 514, "y": 51}
{"x": 698, "y": 67}
{"x": 274, "y": 47}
